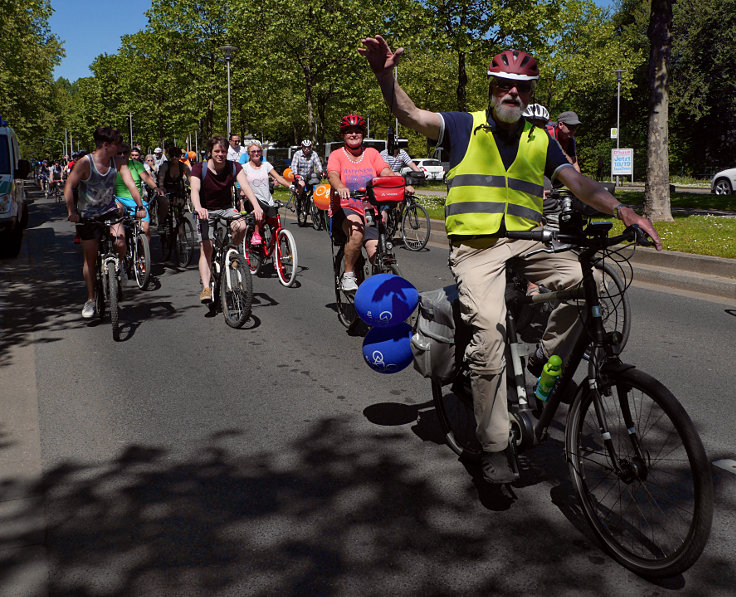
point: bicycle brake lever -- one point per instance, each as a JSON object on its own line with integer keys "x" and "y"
{"x": 641, "y": 237}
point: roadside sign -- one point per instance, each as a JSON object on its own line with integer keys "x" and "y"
{"x": 622, "y": 162}
{"x": 614, "y": 133}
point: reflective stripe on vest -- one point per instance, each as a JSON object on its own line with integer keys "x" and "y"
{"x": 483, "y": 194}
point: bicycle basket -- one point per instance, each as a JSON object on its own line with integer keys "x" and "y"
{"x": 385, "y": 189}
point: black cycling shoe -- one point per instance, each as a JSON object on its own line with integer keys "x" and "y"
{"x": 499, "y": 467}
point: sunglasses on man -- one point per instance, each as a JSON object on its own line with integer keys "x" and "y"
{"x": 509, "y": 84}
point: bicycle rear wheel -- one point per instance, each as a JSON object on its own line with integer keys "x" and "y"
{"x": 253, "y": 253}
{"x": 652, "y": 504}
{"x": 186, "y": 241}
{"x": 236, "y": 290}
{"x": 286, "y": 258}
{"x": 415, "y": 227}
{"x": 112, "y": 295}
{"x": 455, "y": 414}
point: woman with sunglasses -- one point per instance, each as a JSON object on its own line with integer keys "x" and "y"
{"x": 258, "y": 171}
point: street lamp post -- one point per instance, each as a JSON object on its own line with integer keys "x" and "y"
{"x": 228, "y": 49}
{"x": 618, "y": 72}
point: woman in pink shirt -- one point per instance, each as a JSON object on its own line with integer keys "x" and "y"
{"x": 348, "y": 169}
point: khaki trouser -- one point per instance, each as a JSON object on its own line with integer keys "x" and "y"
{"x": 479, "y": 267}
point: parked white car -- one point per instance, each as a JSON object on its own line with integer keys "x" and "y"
{"x": 724, "y": 182}
{"x": 432, "y": 169}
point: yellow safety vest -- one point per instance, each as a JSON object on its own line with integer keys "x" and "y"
{"x": 483, "y": 194}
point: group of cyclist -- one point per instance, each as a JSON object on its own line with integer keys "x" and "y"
{"x": 496, "y": 183}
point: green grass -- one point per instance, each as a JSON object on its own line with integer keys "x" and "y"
{"x": 697, "y": 234}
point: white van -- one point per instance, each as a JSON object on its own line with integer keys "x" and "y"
{"x": 13, "y": 206}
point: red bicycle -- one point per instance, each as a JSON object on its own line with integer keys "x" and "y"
{"x": 277, "y": 245}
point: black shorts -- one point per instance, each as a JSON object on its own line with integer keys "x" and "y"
{"x": 370, "y": 232}
{"x": 90, "y": 231}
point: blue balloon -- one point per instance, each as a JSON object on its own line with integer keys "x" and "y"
{"x": 388, "y": 350}
{"x": 385, "y": 300}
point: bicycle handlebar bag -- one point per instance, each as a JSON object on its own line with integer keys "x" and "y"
{"x": 385, "y": 189}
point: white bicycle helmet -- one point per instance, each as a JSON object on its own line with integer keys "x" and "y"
{"x": 306, "y": 143}
{"x": 536, "y": 112}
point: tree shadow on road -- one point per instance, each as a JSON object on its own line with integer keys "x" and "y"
{"x": 327, "y": 514}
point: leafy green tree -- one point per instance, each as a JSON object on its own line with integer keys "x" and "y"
{"x": 29, "y": 54}
{"x": 703, "y": 98}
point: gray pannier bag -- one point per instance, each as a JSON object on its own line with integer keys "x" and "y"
{"x": 440, "y": 337}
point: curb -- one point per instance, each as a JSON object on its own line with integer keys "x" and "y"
{"x": 683, "y": 271}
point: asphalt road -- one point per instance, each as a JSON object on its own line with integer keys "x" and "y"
{"x": 193, "y": 459}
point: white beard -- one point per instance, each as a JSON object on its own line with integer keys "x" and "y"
{"x": 505, "y": 113}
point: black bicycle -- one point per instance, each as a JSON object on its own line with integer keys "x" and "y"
{"x": 108, "y": 268}
{"x": 412, "y": 220}
{"x": 637, "y": 463}
{"x": 304, "y": 204}
{"x": 230, "y": 278}
{"x": 137, "y": 252}
{"x": 384, "y": 261}
{"x": 178, "y": 235}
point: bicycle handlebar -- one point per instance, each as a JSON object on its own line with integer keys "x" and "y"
{"x": 631, "y": 233}
{"x": 103, "y": 222}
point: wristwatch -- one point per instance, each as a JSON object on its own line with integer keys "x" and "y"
{"x": 617, "y": 210}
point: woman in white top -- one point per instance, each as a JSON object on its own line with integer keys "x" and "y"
{"x": 257, "y": 171}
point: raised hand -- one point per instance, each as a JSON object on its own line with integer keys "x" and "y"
{"x": 380, "y": 57}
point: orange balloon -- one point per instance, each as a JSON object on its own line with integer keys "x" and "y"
{"x": 321, "y": 196}
{"x": 289, "y": 175}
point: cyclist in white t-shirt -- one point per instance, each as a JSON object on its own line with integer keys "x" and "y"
{"x": 257, "y": 171}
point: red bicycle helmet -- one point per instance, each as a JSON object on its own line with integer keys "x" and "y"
{"x": 514, "y": 64}
{"x": 352, "y": 120}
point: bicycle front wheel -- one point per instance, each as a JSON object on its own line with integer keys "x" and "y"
{"x": 186, "y": 241}
{"x": 142, "y": 261}
{"x": 345, "y": 301}
{"x": 112, "y": 295}
{"x": 415, "y": 227}
{"x": 316, "y": 215}
{"x": 646, "y": 490}
{"x": 100, "y": 292}
{"x": 236, "y": 290}
{"x": 302, "y": 210}
{"x": 286, "y": 258}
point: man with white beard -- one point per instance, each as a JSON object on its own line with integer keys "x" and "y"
{"x": 496, "y": 182}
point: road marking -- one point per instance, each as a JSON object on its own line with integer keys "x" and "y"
{"x": 726, "y": 464}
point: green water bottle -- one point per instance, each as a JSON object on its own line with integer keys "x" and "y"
{"x": 550, "y": 373}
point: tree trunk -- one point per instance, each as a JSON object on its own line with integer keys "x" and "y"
{"x": 462, "y": 82}
{"x": 657, "y": 189}
{"x": 310, "y": 103}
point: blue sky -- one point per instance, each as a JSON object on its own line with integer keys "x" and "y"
{"x": 92, "y": 27}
